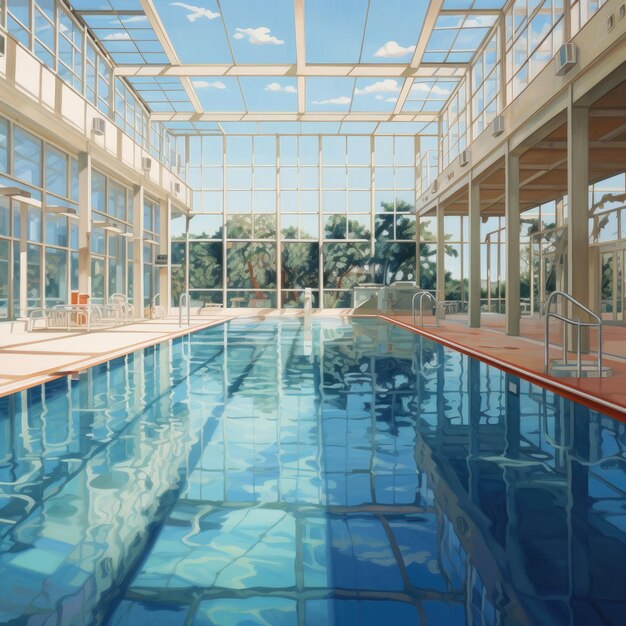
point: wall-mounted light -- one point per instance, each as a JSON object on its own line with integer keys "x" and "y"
{"x": 146, "y": 164}
{"x": 98, "y": 126}
{"x": 108, "y": 226}
{"x": 464, "y": 158}
{"x": 64, "y": 211}
{"x": 3, "y": 43}
{"x": 175, "y": 187}
{"x": 12, "y": 192}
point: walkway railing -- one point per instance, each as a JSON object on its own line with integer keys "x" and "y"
{"x": 423, "y": 295}
{"x": 184, "y": 297}
{"x": 576, "y": 323}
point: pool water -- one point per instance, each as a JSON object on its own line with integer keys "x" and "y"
{"x": 352, "y": 473}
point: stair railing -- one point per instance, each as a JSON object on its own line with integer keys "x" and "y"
{"x": 575, "y": 322}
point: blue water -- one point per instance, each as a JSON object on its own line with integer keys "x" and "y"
{"x": 258, "y": 474}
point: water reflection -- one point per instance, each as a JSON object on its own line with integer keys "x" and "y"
{"x": 259, "y": 474}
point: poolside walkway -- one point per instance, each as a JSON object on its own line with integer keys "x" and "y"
{"x": 524, "y": 356}
{"x": 29, "y": 359}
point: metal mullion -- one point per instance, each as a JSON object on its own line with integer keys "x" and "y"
{"x": 277, "y": 235}
{"x": 224, "y": 220}
{"x": 320, "y": 221}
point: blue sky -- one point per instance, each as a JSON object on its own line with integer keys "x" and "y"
{"x": 258, "y": 32}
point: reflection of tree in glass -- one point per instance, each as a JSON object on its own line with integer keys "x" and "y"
{"x": 251, "y": 265}
{"x": 300, "y": 266}
{"x": 205, "y": 264}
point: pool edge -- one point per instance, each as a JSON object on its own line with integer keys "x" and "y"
{"x": 570, "y": 392}
{"x": 55, "y": 373}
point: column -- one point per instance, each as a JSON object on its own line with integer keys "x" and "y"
{"x": 578, "y": 203}
{"x": 441, "y": 249}
{"x": 418, "y": 245}
{"x": 512, "y": 223}
{"x": 84, "y": 222}
{"x": 138, "y": 290}
{"x": 23, "y": 208}
{"x": 474, "y": 255}
{"x": 165, "y": 276}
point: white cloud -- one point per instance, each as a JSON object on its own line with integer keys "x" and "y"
{"x": 479, "y": 21}
{"x": 117, "y": 37}
{"x": 427, "y": 89}
{"x": 277, "y": 87}
{"x": 394, "y": 100}
{"x": 195, "y": 12}
{"x": 382, "y": 86}
{"x": 132, "y": 20}
{"x": 339, "y": 100}
{"x": 204, "y": 84}
{"x": 379, "y": 97}
{"x": 393, "y": 50}
{"x": 258, "y": 36}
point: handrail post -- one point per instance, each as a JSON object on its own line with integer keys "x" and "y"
{"x": 599, "y": 350}
{"x": 579, "y": 357}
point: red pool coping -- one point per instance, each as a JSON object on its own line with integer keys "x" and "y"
{"x": 556, "y": 385}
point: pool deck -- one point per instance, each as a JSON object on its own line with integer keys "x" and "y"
{"x": 524, "y": 356}
{"x": 29, "y": 359}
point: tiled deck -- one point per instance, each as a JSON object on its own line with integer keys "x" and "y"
{"x": 525, "y": 357}
{"x": 28, "y": 359}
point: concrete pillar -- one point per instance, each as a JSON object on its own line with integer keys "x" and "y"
{"x": 474, "y": 255}
{"x": 578, "y": 203}
{"x": 84, "y": 222}
{"x": 138, "y": 289}
{"x": 418, "y": 243}
{"x": 512, "y": 217}
{"x": 165, "y": 209}
{"x": 441, "y": 250}
{"x": 23, "y": 209}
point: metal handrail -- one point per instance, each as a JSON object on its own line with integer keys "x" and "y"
{"x": 184, "y": 297}
{"x": 573, "y": 322}
{"x": 423, "y": 294}
{"x": 156, "y": 310}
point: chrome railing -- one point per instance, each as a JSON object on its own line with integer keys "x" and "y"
{"x": 578, "y": 324}
{"x": 439, "y": 308}
{"x": 184, "y": 297}
{"x": 157, "y": 310}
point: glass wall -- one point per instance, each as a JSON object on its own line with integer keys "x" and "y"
{"x": 50, "y": 236}
{"x": 112, "y": 245}
{"x": 533, "y": 33}
{"x": 275, "y": 215}
{"x": 60, "y": 41}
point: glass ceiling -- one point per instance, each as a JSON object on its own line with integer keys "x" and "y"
{"x": 292, "y": 65}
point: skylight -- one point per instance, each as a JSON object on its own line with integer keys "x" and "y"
{"x": 347, "y": 64}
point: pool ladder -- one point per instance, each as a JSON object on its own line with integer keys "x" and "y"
{"x": 439, "y": 308}
{"x": 565, "y": 367}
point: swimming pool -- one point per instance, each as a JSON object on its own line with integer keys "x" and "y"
{"x": 259, "y": 472}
